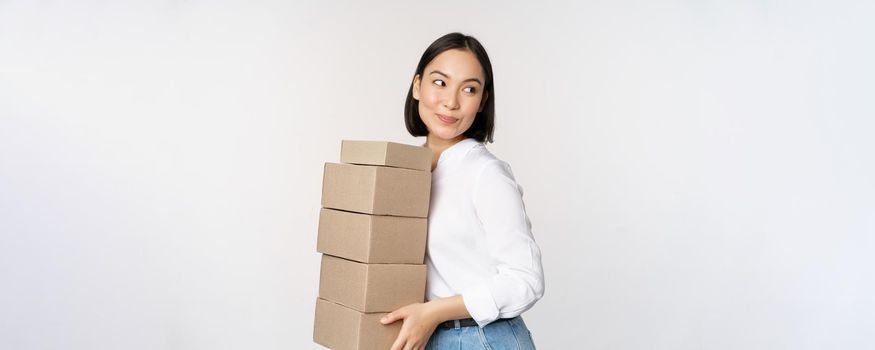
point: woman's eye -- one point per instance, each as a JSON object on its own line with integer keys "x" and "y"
{"x": 472, "y": 90}
{"x": 439, "y": 82}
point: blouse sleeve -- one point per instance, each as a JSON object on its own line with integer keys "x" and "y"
{"x": 519, "y": 278}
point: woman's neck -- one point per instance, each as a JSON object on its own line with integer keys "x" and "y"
{"x": 438, "y": 146}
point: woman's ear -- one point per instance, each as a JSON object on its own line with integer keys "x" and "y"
{"x": 416, "y": 87}
{"x": 483, "y": 101}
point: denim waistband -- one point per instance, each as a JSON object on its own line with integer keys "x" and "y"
{"x": 466, "y": 322}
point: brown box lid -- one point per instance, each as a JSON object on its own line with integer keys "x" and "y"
{"x": 385, "y": 154}
{"x": 371, "y": 287}
{"x": 376, "y": 190}
{"x": 341, "y": 328}
{"x": 372, "y": 238}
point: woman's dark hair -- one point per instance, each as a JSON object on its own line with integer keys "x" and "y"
{"x": 484, "y": 121}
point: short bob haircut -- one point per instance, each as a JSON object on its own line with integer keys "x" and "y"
{"x": 484, "y": 122}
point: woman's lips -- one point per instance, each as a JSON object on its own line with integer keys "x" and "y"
{"x": 446, "y": 119}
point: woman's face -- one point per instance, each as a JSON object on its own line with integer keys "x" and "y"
{"x": 450, "y": 93}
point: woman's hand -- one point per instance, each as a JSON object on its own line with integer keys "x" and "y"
{"x": 419, "y": 323}
{"x": 421, "y": 319}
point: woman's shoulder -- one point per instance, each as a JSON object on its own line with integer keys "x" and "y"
{"x": 484, "y": 162}
{"x": 491, "y": 175}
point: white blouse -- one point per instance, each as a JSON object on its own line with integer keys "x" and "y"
{"x": 480, "y": 242}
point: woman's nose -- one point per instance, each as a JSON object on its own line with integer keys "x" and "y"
{"x": 451, "y": 102}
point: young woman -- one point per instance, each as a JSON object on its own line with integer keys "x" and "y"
{"x": 484, "y": 267}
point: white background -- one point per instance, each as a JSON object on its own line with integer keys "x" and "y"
{"x": 698, "y": 173}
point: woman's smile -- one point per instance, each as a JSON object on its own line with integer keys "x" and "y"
{"x": 447, "y": 119}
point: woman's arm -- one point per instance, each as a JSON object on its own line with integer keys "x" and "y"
{"x": 451, "y": 308}
{"x": 519, "y": 279}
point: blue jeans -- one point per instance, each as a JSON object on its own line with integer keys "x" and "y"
{"x": 499, "y": 335}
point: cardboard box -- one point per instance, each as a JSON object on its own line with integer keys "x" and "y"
{"x": 371, "y": 287}
{"x": 341, "y": 328}
{"x": 374, "y": 239}
{"x": 376, "y": 190}
{"x": 386, "y": 154}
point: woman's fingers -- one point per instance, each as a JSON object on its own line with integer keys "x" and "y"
{"x": 405, "y": 342}
{"x": 411, "y": 336}
{"x": 400, "y": 313}
{"x": 394, "y": 316}
{"x": 400, "y": 342}
{"x": 412, "y": 346}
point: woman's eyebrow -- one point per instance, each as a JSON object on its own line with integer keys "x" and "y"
{"x": 448, "y": 77}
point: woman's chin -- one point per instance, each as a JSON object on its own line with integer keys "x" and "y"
{"x": 445, "y": 135}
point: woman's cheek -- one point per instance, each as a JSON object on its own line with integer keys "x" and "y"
{"x": 472, "y": 107}
{"x": 432, "y": 101}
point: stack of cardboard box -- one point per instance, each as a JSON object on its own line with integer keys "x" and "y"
{"x": 372, "y": 236}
